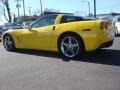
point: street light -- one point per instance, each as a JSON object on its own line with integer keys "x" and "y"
{"x": 88, "y": 6}
{"x": 41, "y": 6}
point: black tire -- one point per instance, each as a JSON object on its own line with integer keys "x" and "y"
{"x": 8, "y": 45}
{"x": 76, "y": 47}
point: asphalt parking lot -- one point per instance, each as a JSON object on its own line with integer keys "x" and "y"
{"x": 40, "y": 70}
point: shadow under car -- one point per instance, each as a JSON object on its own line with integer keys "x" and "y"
{"x": 102, "y": 56}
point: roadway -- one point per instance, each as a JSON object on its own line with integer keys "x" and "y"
{"x": 40, "y": 70}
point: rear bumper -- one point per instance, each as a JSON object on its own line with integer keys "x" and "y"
{"x": 107, "y": 44}
{"x": 99, "y": 41}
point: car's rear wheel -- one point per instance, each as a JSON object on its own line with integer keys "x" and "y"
{"x": 8, "y": 43}
{"x": 70, "y": 46}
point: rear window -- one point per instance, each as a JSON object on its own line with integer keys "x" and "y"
{"x": 68, "y": 18}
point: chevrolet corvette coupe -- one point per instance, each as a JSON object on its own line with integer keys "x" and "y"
{"x": 68, "y": 34}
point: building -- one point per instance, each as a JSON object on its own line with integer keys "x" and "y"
{"x": 108, "y": 16}
{"x": 49, "y": 13}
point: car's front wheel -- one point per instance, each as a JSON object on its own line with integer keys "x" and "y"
{"x": 8, "y": 43}
{"x": 70, "y": 46}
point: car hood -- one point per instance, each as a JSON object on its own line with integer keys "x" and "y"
{"x": 14, "y": 31}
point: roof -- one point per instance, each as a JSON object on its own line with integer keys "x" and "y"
{"x": 50, "y": 13}
{"x": 112, "y": 13}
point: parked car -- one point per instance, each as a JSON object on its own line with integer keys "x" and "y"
{"x": 14, "y": 25}
{"x": 107, "y": 18}
{"x": 1, "y": 32}
{"x": 26, "y": 24}
{"x": 67, "y": 34}
{"x": 116, "y": 24}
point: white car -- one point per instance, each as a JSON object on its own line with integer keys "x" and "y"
{"x": 116, "y": 24}
{"x": 13, "y": 25}
{"x": 26, "y": 24}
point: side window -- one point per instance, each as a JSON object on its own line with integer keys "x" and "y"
{"x": 66, "y": 19}
{"x": 45, "y": 21}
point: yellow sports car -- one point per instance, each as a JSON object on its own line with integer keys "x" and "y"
{"x": 68, "y": 34}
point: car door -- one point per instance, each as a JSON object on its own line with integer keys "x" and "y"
{"x": 40, "y": 35}
{"x": 118, "y": 24}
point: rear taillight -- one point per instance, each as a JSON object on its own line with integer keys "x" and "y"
{"x": 106, "y": 25}
{"x": 102, "y": 25}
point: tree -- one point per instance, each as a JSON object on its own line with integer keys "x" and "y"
{"x": 5, "y": 7}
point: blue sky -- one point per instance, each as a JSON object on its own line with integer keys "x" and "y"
{"x": 103, "y": 6}
{"x": 69, "y": 6}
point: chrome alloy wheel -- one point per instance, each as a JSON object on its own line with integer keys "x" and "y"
{"x": 8, "y": 42}
{"x": 69, "y": 46}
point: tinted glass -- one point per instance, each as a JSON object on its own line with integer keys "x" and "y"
{"x": 66, "y": 19}
{"x": 45, "y": 21}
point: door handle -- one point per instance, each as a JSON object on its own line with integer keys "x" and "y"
{"x": 53, "y": 28}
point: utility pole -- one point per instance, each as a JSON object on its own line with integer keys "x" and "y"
{"x": 24, "y": 8}
{"x": 89, "y": 8}
{"x": 95, "y": 8}
{"x": 41, "y": 7}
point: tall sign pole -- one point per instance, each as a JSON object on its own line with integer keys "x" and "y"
{"x": 89, "y": 8}
{"x": 18, "y": 6}
{"x": 95, "y": 8}
{"x": 41, "y": 6}
{"x": 24, "y": 8}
